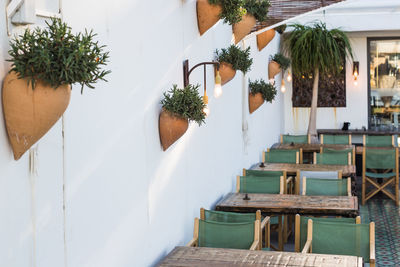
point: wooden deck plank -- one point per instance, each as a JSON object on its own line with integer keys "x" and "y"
{"x": 310, "y": 147}
{"x": 291, "y": 204}
{"x": 291, "y": 168}
{"x": 192, "y": 256}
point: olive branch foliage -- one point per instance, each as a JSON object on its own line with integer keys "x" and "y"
{"x": 57, "y": 56}
{"x": 238, "y": 58}
{"x": 185, "y": 103}
{"x": 267, "y": 90}
{"x": 283, "y": 61}
{"x": 232, "y": 10}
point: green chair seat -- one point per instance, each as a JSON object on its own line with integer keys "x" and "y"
{"x": 326, "y": 187}
{"x": 380, "y": 175}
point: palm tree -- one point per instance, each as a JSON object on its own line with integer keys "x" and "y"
{"x": 315, "y": 49}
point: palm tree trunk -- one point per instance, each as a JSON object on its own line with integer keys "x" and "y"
{"x": 312, "y": 125}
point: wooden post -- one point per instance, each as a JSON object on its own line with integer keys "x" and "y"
{"x": 281, "y": 139}
{"x": 349, "y": 158}
{"x": 309, "y": 232}
{"x": 282, "y": 186}
{"x": 297, "y": 189}
{"x": 301, "y": 156}
{"x": 397, "y": 177}
{"x": 349, "y": 139}
{"x": 315, "y": 157}
{"x": 322, "y": 139}
{"x": 358, "y": 220}
{"x": 364, "y": 140}
{"x": 349, "y": 187}
{"x": 263, "y": 156}
{"x": 297, "y": 233}
{"x": 202, "y": 214}
{"x": 304, "y": 186}
{"x": 238, "y": 184}
{"x": 372, "y": 243}
{"x": 363, "y": 175}
{"x": 244, "y": 172}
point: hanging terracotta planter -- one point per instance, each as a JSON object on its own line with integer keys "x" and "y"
{"x": 242, "y": 28}
{"x": 207, "y": 15}
{"x": 273, "y": 69}
{"x": 30, "y": 113}
{"x": 227, "y": 72}
{"x": 255, "y": 101}
{"x": 264, "y": 38}
{"x": 171, "y": 128}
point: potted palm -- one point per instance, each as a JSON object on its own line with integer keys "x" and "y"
{"x": 45, "y": 63}
{"x": 257, "y": 10}
{"x": 210, "y": 12}
{"x": 260, "y": 91}
{"x": 281, "y": 28}
{"x": 333, "y": 49}
{"x": 277, "y": 63}
{"x": 179, "y": 106}
{"x": 231, "y": 59}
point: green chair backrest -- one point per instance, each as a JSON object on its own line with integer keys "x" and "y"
{"x": 341, "y": 239}
{"x": 304, "y": 221}
{"x": 336, "y": 139}
{"x": 260, "y": 185}
{"x": 263, "y": 173}
{"x": 378, "y": 140}
{"x": 333, "y": 158}
{"x": 332, "y": 150}
{"x": 326, "y": 187}
{"x": 226, "y": 235}
{"x": 296, "y": 139}
{"x": 228, "y": 217}
{"x": 281, "y": 156}
{"x": 380, "y": 158}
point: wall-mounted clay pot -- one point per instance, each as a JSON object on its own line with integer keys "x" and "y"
{"x": 264, "y": 38}
{"x": 171, "y": 128}
{"x": 207, "y": 15}
{"x": 273, "y": 69}
{"x": 255, "y": 101}
{"x": 227, "y": 72}
{"x": 242, "y": 28}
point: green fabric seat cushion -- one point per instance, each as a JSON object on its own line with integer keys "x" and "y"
{"x": 326, "y": 187}
{"x": 380, "y": 175}
{"x": 336, "y": 139}
{"x": 335, "y": 158}
{"x": 281, "y": 156}
{"x": 303, "y": 225}
{"x": 259, "y": 184}
{"x": 378, "y": 141}
{"x": 226, "y": 235}
{"x": 296, "y": 139}
{"x": 263, "y": 173}
{"x": 341, "y": 239}
{"x": 228, "y": 217}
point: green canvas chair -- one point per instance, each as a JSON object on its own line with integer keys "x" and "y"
{"x": 379, "y": 141}
{"x": 335, "y": 139}
{"x": 300, "y": 237}
{"x": 380, "y": 164}
{"x": 282, "y": 156}
{"x": 235, "y": 217}
{"x": 333, "y": 158}
{"x": 313, "y": 174}
{"x": 333, "y": 150}
{"x": 341, "y": 239}
{"x": 326, "y": 187}
{"x": 296, "y": 139}
{"x": 244, "y": 235}
{"x": 265, "y": 185}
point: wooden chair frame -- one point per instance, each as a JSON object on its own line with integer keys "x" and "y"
{"x": 308, "y": 139}
{"x": 365, "y": 140}
{"x": 254, "y": 246}
{"x": 265, "y": 224}
{"x": 299, "y": 156}
{"x": 298, "y": 231}
{"x": 308, "y": 246}
{"x": 304, "y": 191}
{"x": 350, "y": 160}
{"x": 282, "y": 226}
{"x": 322, "y": 139}
{"x": 297, "y": 181}
{"x": 380, "y": 187}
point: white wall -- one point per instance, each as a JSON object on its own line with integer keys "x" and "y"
{"x": 128, "y": 203}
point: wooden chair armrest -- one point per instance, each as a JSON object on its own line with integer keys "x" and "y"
{"x": 192, "y": 243}
{"x": 255, "y": 246}
{"x": 265, "y": 222}
{"x": 307, "y": 246}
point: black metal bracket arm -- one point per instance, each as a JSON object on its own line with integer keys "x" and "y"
{"x": 187, "y": 72}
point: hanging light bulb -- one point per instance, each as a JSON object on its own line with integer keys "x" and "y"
{"x": 206, "y": 110}
{"x": 283, "y": 87}
{"x": 271, "y": 81}
{"x": 289, "y": 76}
{"x": 218, "y": 85}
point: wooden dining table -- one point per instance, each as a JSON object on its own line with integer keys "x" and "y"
{"x": 275, "y": 204}
{"x": 292, "y": 168}
{"x": 202, "y": 256}
{"x": 309, "y": 148}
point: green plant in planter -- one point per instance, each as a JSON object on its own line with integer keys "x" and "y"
{"x": 267, "y": 90}
{"x": 257, "y": 8}
{"x": 240, "y": 59}
{"x": 283, "y": 61}
{"x": 185, "y": 103}
{"x": 281, "y": 28}
{"x": 57, "y": 56}
{"x": 232, "y": 10}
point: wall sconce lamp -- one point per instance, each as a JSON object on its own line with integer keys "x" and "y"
{"x": 218, "y": 85}
{"x": 356, "y": 71}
